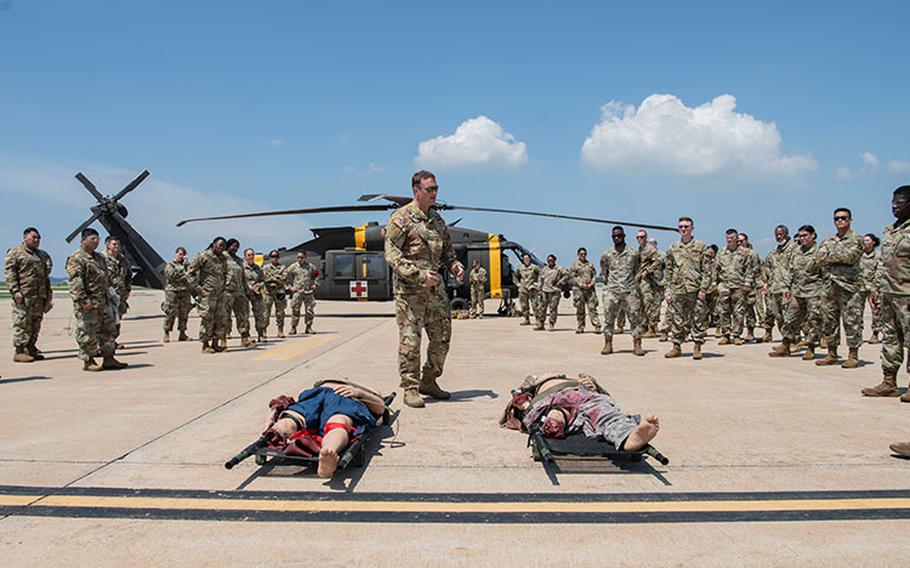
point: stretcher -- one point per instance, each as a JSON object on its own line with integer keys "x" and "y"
{"x": 580, "y": 447}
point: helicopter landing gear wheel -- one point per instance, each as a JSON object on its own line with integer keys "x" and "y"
{"x": 458, "y": 304}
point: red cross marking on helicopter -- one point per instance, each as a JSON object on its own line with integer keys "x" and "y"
{"x": 358, "y": 289}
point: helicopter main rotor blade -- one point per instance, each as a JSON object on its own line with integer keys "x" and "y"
{"x": 84, "y": 225}
{"x": 397, "y": 199}
{"x": 446, "y": 206}
{"x": 312, "y": 210}
{"x": 90, "y": 187}
{"x": 132, "y": 185}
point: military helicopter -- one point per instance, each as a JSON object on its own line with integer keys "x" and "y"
{"x": 352, "y": 260}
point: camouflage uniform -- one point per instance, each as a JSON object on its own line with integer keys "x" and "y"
{"x": 27, "y": 275}
{"x": 583, "y": 293}
{"x": 478, "y": 279}
{"x": 253, "y": 275}
{"x": 276, "y": 282}
{"x": 735, "y": 281}
{"x": 619, "y": 271}
{"x": 303, "y": 278}
{"x": 840, "y": 258}
{"x": 686, "y": 276}
{"x": 88, "y": 285}
{"x": 776, "y": 274}
{"x": 177, "y": 296}
{"x": 649, "y": 289}
{"x": 417, "y": 242}
{"x": 207, "y": 275}
{"x": 551, "y": 283}
{"x": 528, "y": 278}
{"x": 712, "y": 305}
{"x": 120, "y": 275}
{"x": 894, "y": 287}
{"x": 236, "y": 301}
{"x": 803, "y": 278}
{"x": 754, "y": 311}
{"x": 869, "y": 265}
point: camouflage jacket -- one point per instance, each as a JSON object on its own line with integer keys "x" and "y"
{"x": 840, "y": 258}
{"x": 478, "y": 277}
{"x": 684, "y": 267}
{"x": 528, "y": 277}
{"x": 553, "y": 279}
{"x": 119, "y": 273}
{"x": 209, "y": 271}
{"x": 583, "y": 274}
{"x": 303, "y": 278}
{"x": 253, "y": 274}
{"x": 711, "y": 267}
{"x": 235, "y": 277}
{"x": 805, "y": 273}
{"x": 275, "y": 277}
{"x": 176, "y": 277}
{"x": 28, "y": 272}
{"x": 87, "y": 278}
{"x": 755, "y": 266}
{"x": 652, "y": 264}
{"x": 415, "y": 243}
{"x": 894, "y": 268}
{"x": 734, "y": 269}
{"x": 869, "y": 264}
{"x": 620, "y": 269}
{"x": 777, "y": 265}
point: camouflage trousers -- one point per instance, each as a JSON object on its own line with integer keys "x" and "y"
{"x": 548, "y": 307}
{"x": 257, "y": 306}
{"x": 651, "y": 297}
{"x": 213, "y": 311}
{"x": 620, "y": 316}
{"x": 712, "y": 305}
{"x": 666, "y": 319}
{"x": 308, "y": 301}
{"x": 895, "y": 332}
{"x": 528, "y": 303}
{"x": 280, "y": 304}
{"x": 775, "y": 310}
{"x": 477, "y": 293}
{"x": 626, "y": 301}
{"x": 750, "y": 309}
{"x": 95, "y": 331}
{"x": 415, "y": 313}
{"x": 841, "y": 305}
{"x": 27, "y": 318}
{"x": 238, "y": 305}
{"x": 803, "y": 315}
{"x": 690, "y": 316}
{"x": 731, "y": 312}
{"x": 177, "y": 307}
{"x": 875, "y": 304}
{"x": 586, "y": 300}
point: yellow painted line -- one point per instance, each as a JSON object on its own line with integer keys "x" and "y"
{"x": 168, "y": 503}
{"x": 360, "y": 237}
{"x": 272, "y": 351}
{"x": 495, "y": 267}
{"x": 303, "y": 348}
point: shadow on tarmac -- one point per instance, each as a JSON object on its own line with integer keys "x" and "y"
{"x": 23, "y": 379}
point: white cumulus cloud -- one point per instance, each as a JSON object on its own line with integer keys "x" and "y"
{"x": 477, "y": 141}
{"x": 869, "y": 167}
{"x": 664, "y": 134}
{"x": 899, "y": 166}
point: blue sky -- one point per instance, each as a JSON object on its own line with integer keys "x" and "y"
{"x": 245, "y": 106}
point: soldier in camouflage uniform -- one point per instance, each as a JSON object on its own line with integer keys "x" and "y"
{"x": 802, "y": 296}
{"x": 649, "y": 278}
{"x": 869, "y": 265}
{"x": 776, "y": 277}
{"x": 177, "y": 296}
{"x": 208, "y": 275}
{"x": 688, "y": 280}
{"x": 552, "y": 279}
{"x": 303, "y": 279}
{"x": 583, "y": 275}
{"x": 754, "y": 308}
{"x": 236, "y": 289}
{"x": 735, "y": 280}
{"x": 840, "y": 257}
{"x": 255, "y": 292}
{"x": 619, "y": 268}
{"x": 27, "y": 269}
{"x": 528, "y": 278}
{"x": 711, "y": 303}
{"x": 478, "y": 280}
{"x": 275, "y": 276}
{"x": 417, "y": 246}
{"x": 894, "y": 287}
{"x": 120, "y": 276}
{"x": 88, "y": 284}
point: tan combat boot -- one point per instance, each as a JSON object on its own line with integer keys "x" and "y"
{"x": 433, "y": 390}
{"x": 664, "y": 337}
{"x": 413, "y": 399}
{"x": 183, "y": 336}
{"x": 829, "y": 359}
{"x": 750, "y": 334}
{"x": 293, "y": 330}
{"x": 696, "y": 352}
{"x": 724, "y": 341}
{"x": 22, "y": 356}
{"x": 888, "y": 387}
{"x": 873, "y": 338}
{"x": 280, "y": 333}
{"x": 636, "y": 347}
{"x": 551, "y": 327}
{"x": 649, "y": 333}
{"x": 809, "y": 355}
{"x": 617, "y": 330}
{"x": 206, "y": 348}
{"x": 579, "y": 330}
{"x": 309, "y": 330}
{"x": 525, "y": 321}
{"x": 598, "y": 330}
{"x": 739, "y": 340}
{"x": 852, "y": 361}
{"x": 823, "y": 342}
{"x": 167, "y": 337}
{"x": 35, "y": 353}
{"x": 246, "y": 341}
{"x": 538, "y": 326}
{"x": 674, "y": 352}
{"x": 901, "y": 449}
{"x": 768, "y": 337}
{"x": 112, "y": 364}
{"x": 220, "y": 344}
{"x": 608, "y": 346}
{"x": 92, "y": 366}
{"x": 782, "y": 350}
{"x": 906, "y": 396}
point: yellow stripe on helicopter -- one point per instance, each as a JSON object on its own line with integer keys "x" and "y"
{"x": 360, "y": 237}
{"x": 495, "y": 267}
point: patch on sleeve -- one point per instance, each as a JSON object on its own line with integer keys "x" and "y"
{"x": 398, "y": 221}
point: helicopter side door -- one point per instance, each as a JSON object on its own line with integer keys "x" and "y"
{"x": 357, "y": 275}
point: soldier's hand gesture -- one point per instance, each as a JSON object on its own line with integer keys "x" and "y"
{"x": 432, "y": 278}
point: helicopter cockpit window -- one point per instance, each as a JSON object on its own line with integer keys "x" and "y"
{"x": 344, "y": 266}
{"x": 374, "y": 266}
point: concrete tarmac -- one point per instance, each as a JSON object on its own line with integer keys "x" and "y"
{"x": 773, "y": 462}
